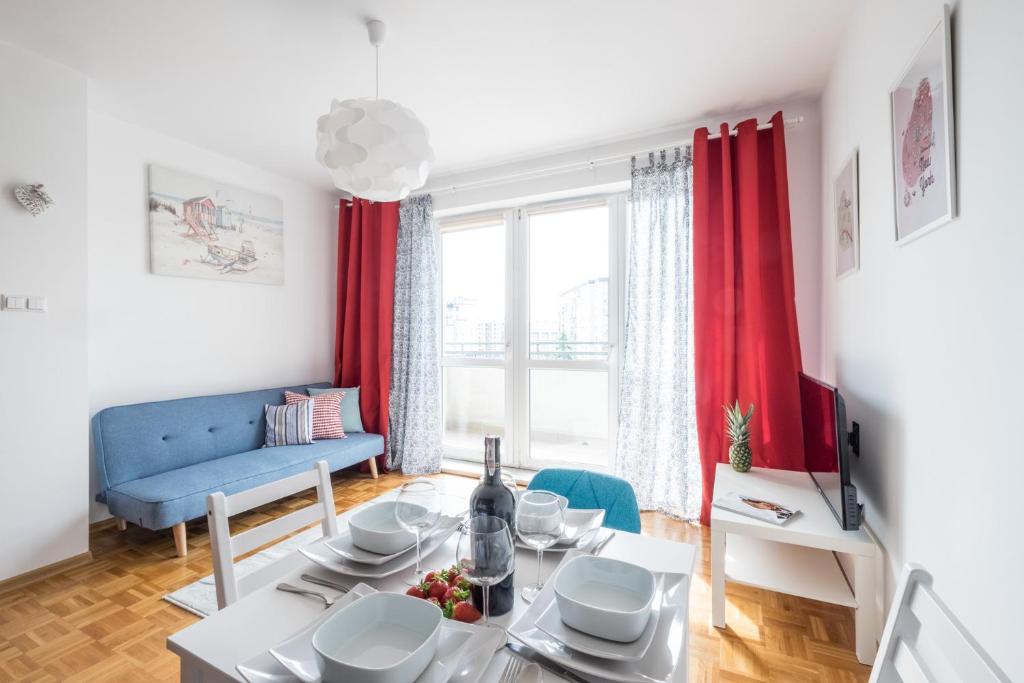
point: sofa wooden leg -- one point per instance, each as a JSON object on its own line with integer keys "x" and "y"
{"x": 122, "y": 525}
{"x": 179, "y": 539}
{"x": 373, "y": 467}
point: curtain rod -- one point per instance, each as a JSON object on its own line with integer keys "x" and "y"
{"x": 579, "y": 165}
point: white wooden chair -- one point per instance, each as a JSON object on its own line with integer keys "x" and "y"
{"x": 226, "y": 548}
{"x": 924, "y": 643}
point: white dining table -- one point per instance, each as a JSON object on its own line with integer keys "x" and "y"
{"x": 210, "y": 649}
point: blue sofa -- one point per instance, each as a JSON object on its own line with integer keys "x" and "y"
{"x": 157, "y": 462}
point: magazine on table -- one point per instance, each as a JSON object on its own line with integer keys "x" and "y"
{"x": 764, "y": 510}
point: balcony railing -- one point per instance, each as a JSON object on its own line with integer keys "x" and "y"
{"x": 539, "y": 350}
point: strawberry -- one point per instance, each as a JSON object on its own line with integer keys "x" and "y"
{"x": 454, "y": 578}
{"x": 416, "y": 592}
{"x": 429, "y": 578}
{"x": 465, "y": 611}
{"x": 448, "y": 595}
{"x": 435, "y": 601}
{"x": 437, "y": 589}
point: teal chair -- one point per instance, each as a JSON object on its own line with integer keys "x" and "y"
{"x": 591, "y": 491}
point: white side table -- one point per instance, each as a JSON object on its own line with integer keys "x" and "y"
{"x": 798, "y": 558}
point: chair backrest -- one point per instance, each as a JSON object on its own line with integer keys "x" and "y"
{"x": 924, "y": 643}
{"x": 225, "y": 548}
{"x": 592, "y": 490}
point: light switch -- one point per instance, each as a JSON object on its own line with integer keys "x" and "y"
{"x": 37, "y": 304}
{"x": 15, "y": 303}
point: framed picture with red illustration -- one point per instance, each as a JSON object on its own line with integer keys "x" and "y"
{"x": 924, "y": 164}
{"x": 847, "y": 218}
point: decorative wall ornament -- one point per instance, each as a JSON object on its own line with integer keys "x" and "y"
{"x": 205, "y": 228}
{"x": 33, "y": 197}
{"x": 373, "y": 148}
{"x": 847, "y": 217}
{"x": 922, "y": 137}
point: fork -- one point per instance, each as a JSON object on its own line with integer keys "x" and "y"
{"x": 289, "y": 588}
{"x": 512, "y": 669}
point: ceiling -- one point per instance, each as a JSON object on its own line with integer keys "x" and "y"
{"x": 491, "y": 80}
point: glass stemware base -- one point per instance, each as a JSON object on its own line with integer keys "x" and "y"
{"x": 530, "y": 593}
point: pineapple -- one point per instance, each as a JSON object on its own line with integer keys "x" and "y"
{"x": 738, "y": 427}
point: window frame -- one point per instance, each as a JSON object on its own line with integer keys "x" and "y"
{"x": 516, "y": 361}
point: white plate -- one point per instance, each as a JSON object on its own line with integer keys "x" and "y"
{"x": 584, "y": 543}
{"x": 665, "y": 660}
{"x": 297, "y": 655}
{"x": 551, "y": 623}
{"x": 465, "y": 666}
{"x": 463, "y": 653}
{"x": 319, "y": 552}
{"x": 476, "y": 656}
{"x": 264, "y": 668}
{"x": 579, "y": 522}
{"x": 343, "y": 546}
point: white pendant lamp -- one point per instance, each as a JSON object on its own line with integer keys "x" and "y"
{"x": 374, "y": 149}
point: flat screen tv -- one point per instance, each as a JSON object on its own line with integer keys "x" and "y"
{"x": 828, "y": 448}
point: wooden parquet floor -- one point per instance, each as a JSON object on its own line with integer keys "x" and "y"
{"x": 106, "y": 620}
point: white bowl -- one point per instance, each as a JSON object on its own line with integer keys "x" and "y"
{"x": 563, "y": 501}
{"x": 375, "y": 529}
{"x": 381, "y": 638}
{"x": 606, "y": 598}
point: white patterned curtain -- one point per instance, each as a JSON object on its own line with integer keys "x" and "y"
{"x": 657, "y": 438}
{"x": 414, "y": 411}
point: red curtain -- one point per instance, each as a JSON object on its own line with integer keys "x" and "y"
{"x": 367, "y": 235}
{"x": 746, "y": 342}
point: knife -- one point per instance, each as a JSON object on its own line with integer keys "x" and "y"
{"x": 326, "y": 583}
{"x": 531, "y": 655}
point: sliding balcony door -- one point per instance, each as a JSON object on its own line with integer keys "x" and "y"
{"x": 475, "y": 343}
{"x": 539, "y": 365}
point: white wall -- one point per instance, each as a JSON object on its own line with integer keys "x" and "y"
{"x": 153, "y": 337}
{"x": 926, "y": 340}
{"x": 43, "y": 401}
{"x": 474, "y": 190}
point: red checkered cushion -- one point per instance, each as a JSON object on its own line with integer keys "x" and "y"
{"x": 326, "y": 413}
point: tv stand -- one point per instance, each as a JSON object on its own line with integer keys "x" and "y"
{"x": 799, "y": 557}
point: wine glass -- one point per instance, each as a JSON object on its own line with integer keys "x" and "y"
{"x": 510, "y": 483}
{"x": 485, "y": 555}
{"x": 540, "y": 522}
{"x": 417, "y": 509}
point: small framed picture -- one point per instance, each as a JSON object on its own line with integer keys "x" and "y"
{"x": 922, "y": 138}
{"x": 847, "y": 218}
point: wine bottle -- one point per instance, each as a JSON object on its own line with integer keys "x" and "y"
{"x": 492, "y": 497}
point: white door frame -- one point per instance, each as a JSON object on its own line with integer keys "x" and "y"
{"x": 516, "y": 361}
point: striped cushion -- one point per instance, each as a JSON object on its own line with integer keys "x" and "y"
{"x": 326, "y": 413}
{"x": 289, "y": 425}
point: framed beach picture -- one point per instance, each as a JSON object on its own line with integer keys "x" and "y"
{"x": 922, "y": 138}
{"x": 208, "y": 229}
{"x": 847, "y": 217}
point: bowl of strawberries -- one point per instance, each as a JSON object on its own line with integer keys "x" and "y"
{"x": 447, "y": 589}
